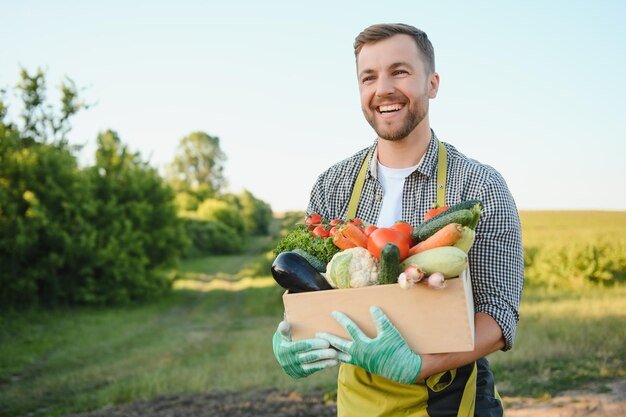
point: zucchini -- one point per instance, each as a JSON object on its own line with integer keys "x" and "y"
{"x": 312, "y": 259}
{"x": 448, "y": 260}
{"x": 389, "y": 264}
{"x": 425, "y": 230}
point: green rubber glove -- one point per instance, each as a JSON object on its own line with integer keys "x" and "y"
{"x": 387, "y": 355}
{"x": 303, "y": 357}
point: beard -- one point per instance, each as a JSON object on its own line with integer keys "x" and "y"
{"x": 417, "y": 111}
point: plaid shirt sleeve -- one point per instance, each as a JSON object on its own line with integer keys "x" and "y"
{"x": 497, "y": 258}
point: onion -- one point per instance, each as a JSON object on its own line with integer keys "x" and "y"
{"x": 414, "y": 273}
{"x": 436, "y": 280}
{"x": 404, "y": 281}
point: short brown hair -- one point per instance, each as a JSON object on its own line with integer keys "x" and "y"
{"x": 382, "y": 31}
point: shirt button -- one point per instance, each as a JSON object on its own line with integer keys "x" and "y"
{"x": 378, "y": 197}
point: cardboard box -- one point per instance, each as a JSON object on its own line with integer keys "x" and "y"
{"x": 430, "y": 320}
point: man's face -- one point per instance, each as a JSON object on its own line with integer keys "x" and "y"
{"x": 394, "y": 86}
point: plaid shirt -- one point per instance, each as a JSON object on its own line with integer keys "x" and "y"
{"x": 496, "y": 258}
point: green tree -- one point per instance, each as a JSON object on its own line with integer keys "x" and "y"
{"x": 139, "y": 234}
{"x": 41, "y": 121}
{"x": 256, "y": 214}
{"x": 100, "y": 235}
{"x": 198, "y": 166}
{"x": 220, "y": 211}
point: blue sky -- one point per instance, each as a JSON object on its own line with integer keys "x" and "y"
{"x": 533, "y": 88}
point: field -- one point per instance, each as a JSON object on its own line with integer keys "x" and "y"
{"x": 213, "y": 332}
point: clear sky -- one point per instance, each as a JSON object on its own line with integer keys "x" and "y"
{"x": 535, "y": 88}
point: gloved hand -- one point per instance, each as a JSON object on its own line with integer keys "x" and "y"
{"x": 387, "y": 355}
{"x": 303, "y": 357}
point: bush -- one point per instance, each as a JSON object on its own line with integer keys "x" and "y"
{"x": 220, "y": 211}
{"x": 576, "y": 265}
{"x": 103, "y": 235}
{"x": 210, "y": 237}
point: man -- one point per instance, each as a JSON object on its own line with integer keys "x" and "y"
{"x": 382, "y": 376}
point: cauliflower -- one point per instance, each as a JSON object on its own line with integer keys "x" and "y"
{"x": 352, "y": 268}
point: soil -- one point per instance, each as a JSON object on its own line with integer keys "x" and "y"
{"x": 588, "y": 402}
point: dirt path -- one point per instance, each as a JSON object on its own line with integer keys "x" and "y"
{"x": 575, "y": 403}
{"x": 266, "y": 403}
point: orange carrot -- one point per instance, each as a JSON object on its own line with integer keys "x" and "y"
{"x": 446, "y": 236}
{"x": 341, "y": 241}
{"x": 355, "y": 234}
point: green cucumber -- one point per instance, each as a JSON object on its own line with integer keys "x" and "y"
{"x": 465, "y": 205}
{"x": 389, "y": 264}
{"x": 476, "y": 205}
{"x": 425, "y": 230}
{"x": 313, "y": 260}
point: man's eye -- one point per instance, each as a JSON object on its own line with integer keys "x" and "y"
{"x": 400, "y": 72}
{"x": 367, "y": 79}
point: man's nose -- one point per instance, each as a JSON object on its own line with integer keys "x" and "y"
{"x": 384, "y": 86}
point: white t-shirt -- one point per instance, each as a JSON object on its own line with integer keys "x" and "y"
{"x": 392, "y": 181}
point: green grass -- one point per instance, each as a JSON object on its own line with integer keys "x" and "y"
{"x": 218, "y": 337}
{"x": 564, "y": 340}
{"x": 68, "y": 361}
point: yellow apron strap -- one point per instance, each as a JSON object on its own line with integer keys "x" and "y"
{"x": 442, "y": 167}
{"x": 468, "y": 401}
{"x": 358, "y": 187}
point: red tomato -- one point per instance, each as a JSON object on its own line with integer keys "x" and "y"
{"x": 434, "y": 211}
{"x": 369, "y": 229}
{"x": 406, "y": 229}
{"x": 357, "y": 222}
{"x": 332, "y": 231}
{"x": 382, "y": 236}
{"x": 320, "y": 232}
{"x": 313, "y": 220}
{"x": 335, "y": 222}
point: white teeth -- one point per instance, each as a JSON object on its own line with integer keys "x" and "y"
{"x": 390, "y": 108}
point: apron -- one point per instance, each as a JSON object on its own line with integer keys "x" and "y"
{"x": 468, "y": 391}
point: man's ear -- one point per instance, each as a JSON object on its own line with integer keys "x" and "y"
{"x": 433, "y": 85}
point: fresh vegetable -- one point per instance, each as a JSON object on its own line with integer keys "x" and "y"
{"x": 313, "y": 220}
{"x": 389, "y": 264}
{"x": 369, "y": 229}
{"x": 302, "y": 238}
{"x": 352, "y": 233}
{"x": 292, "y": 272}
{"x": 436, "y": 209}
{"x": 411, "y": 276}
{"x": 404, "y": 228}
{"x": 432, "y": 226}
{"x": 463, "y": 205}
{"x": 446, "y": 236}
{"x": 466, "y": 241}
{"x": 357, "y": 222}
{"x": 405, "y": 282}
{"x": 381, "y": 236}
{"x": 436, "y": 281}
{"x": 313, "y": 260}
{"x": 352, "y": 268}
{"x": 448, "y": 260}
{"x": 342, "y": 242}
{"x": 320, "y": 232}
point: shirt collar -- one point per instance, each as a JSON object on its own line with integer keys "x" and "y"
{"x": 427, "y": 166}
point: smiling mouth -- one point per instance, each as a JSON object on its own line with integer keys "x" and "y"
{"x": 391, "y": 108}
